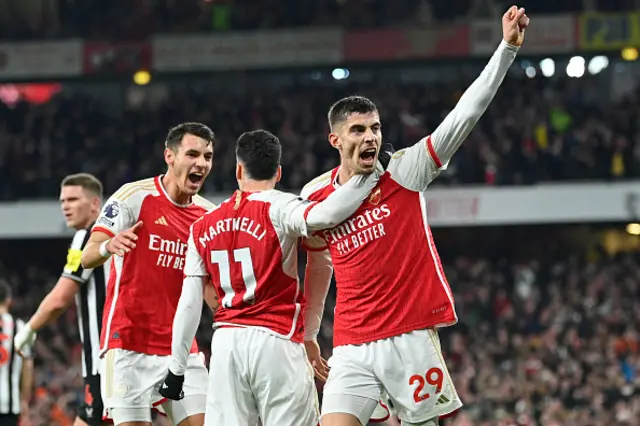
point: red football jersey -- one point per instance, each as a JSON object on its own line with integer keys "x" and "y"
{"x": 145, "y": 285}
{"x": 248, "y": 246}
{"x": 388, "y": 273}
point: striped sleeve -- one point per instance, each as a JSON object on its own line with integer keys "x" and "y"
{"x": 73, "y": 268}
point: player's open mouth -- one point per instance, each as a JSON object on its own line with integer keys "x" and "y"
{"x": 368, "y": 156}
{"x": 195, "y": 178}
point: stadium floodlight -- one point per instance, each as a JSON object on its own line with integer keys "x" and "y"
{"x": 629, "y": 53}
{"x": 597, "y": 64}
{"x": 633, "y": 229}
{"x": 548, "y": 67}
{"x": 530, "y": 72}
{"x": 142, "y": 78}
{"x": 340, "y": 74}
{"x": 576, "y": 67}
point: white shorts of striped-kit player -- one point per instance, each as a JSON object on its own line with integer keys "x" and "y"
{"x": 255, "y": 375}
{"x": 131, "y": 382}
{"x": 409, "y": 368}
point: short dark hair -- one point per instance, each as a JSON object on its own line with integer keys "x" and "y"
{"x": 87, "y": 181}
{"x": 177, "y": 133}
{"x": 5, "y": 291}
{"x": 259, "y": 151}
{"x": 342, "y": 109}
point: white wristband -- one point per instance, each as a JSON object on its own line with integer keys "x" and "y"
{"x": 103, "y": 249}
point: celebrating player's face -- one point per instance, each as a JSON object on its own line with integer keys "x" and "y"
{"x": 77, "y": 206}
{"x": 192, "y": 163}
{"x": 359, "y": 139}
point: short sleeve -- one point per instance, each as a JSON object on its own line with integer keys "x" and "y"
{"x": 73, "y": 268}
{"x": 117, "y": 215}
{"x": 194, "y": 265}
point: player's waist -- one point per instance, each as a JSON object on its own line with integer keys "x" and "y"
{"x": 143, "y": 348}
{"x": 145, "y": 341}
{"x": 352, "y": 337}
{"x": 294, "y": 332}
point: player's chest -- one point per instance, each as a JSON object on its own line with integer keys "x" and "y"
{"x": 381, "y": 214}
{"x": 168, "y": 221}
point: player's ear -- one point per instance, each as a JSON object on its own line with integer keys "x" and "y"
{"x": 334, "y": 140}
{"x": 279, "y": 174}
{"x": 95, "y": 203}
{"x": 239, "y": 171}
{"x": 169, "y": 156}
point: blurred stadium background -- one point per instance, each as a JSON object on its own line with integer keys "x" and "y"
{"x": 537, "y": 219}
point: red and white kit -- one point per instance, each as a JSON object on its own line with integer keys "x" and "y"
{"x": 142, "y": 296}
{"x": 247, "y": 249}
{"x": 392, "y": 293}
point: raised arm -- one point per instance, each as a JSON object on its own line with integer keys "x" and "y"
{"x": 417, "y": 166}
{"x": 299, "y": 218}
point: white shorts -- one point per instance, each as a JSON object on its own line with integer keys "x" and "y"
{"x": 255, "y": 374}
{"x": 131, "y": 381}
{"x": 409, "y": 367}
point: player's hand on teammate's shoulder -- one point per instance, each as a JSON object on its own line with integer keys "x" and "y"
{"x": 514, "y": 22}
{"x": 171, "y": 387}
{"x": 124, "y": 241}
{"x": 319, "y": 364}
{"x": 384, "y": 157}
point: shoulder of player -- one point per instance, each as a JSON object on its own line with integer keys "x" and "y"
{"x": 318, "y": 184}
{"x": 136, "y": 189}
{"x": 80, "y": 238}
{"x": 202, "y": 202}
{"x": 208, "y": 215}
{"x": 270, "y": 196}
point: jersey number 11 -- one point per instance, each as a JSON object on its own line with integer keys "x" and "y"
{"x": 243, "y": 257}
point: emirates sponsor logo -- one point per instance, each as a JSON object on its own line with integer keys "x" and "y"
{"x": 172, "y": 252}
{"x": 358, "y": 230}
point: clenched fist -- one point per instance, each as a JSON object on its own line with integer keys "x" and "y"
{"x": 514, "y": 22}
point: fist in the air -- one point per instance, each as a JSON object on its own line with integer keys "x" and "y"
{"x": 514, "y": 22}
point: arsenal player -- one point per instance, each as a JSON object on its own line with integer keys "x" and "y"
{"x": 392, "y": 293}
{"x": 247, "y": 248}
{"x": 145, "y": 224}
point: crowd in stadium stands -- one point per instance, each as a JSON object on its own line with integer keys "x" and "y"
{"x": 533, "y": 132}
{"x": 552, "y": 339}
{"x": 131, "y": 20}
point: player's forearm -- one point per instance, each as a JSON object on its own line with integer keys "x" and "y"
{"x": 91, "y": 256}
{"x": 211, "y": 298}
{"x": 26, "y": 380}
{"x": 342, "y": 202}
{"x": 54, "y": 304}
{"x": 185, "y": 323}
{"x": 455, "y": 128}
{"x": 48, "y": 311}
{"x": 316, "y": 286}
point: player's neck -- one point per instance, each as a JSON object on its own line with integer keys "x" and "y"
{"x": 173, "y": 190}
{"x": 88, "y": 222}
{"x": 4, "y": 310}
{"x": 344, "y": 174}
{"x": 256, "y": 185}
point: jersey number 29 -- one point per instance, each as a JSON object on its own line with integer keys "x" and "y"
{"x": 243, "y": 257}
